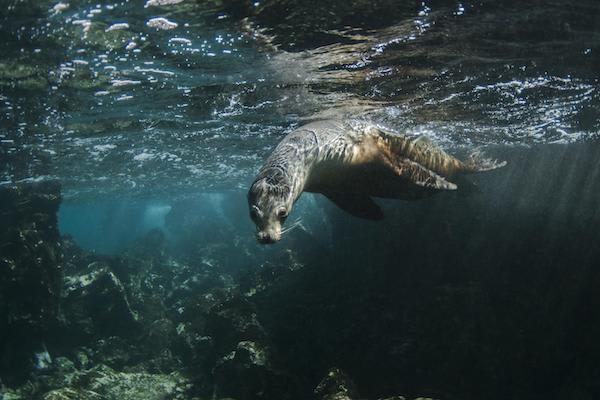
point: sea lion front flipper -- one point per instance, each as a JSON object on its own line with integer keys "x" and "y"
{"x": 420, "y": 176}
{"x": 359, "y": 205}
{"x": 421, "y": 150}
{"x": 425, "y": 177}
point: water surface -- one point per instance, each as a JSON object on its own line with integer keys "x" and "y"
{"x": 94, "y": 95}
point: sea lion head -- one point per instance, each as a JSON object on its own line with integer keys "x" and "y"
{"x": 269, "y": 203}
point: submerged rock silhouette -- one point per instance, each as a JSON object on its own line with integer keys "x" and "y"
{"x": 30, "y": 274}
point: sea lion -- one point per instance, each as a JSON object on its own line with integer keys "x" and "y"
{"x": 349, "y": 163}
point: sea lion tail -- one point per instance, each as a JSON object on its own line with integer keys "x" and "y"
{"x": 478, "y": 162}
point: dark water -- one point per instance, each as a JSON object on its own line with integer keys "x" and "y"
{"x": 155, "y": 135}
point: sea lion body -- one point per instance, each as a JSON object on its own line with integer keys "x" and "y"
{"x": 350, "y": 163}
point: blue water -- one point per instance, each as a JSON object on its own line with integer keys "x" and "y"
{"x": 116, "y": 109}
{"x": 156, "y": 134}
{"x": 95, "y": 97}
{"x": 108, "y": 227}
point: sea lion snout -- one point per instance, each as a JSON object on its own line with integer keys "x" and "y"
{"x": 268, "y": 237}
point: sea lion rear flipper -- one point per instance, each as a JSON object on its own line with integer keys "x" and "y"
{"x": 358, "y": 205}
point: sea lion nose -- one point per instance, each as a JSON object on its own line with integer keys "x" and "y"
{"x": 265, "y": 238}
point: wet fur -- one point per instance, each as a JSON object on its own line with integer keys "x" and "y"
{"x": 349, "y": 163}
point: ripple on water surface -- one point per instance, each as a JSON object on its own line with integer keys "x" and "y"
{"x": 175, "y": 95}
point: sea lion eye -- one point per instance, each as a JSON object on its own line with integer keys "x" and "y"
{"x": 282, "y": 213}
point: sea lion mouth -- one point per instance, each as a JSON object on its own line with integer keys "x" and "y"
{"x": 266, "y": 238}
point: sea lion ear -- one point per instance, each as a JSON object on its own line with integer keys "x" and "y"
{"x": 358, "y": 205}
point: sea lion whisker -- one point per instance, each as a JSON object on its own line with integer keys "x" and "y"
{"x": 288, "y": 229}
{"x": 292, "y": 226}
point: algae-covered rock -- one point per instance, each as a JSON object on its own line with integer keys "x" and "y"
{"x": 104, "y": 383}
{"x": 80, "y": 78}
{"x": 115, "y": 352}
{"x": 245, "y": 373}
{"x": 30, "y": 274}
{"x": 336, "y": 385}
{"x": 94, "y": 35}
{"x": 57, "y": 374}
{"x": 72, "y": 394}
{"x": 232, "y": 322}
{"x": 96, "y": 304}
{"x": 22, "y": 75}
{"x": 134, "y": 386}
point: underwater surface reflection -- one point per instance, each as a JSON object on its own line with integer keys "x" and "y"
{"x": 97, "y": 96}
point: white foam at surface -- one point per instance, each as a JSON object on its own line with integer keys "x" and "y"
{"x": 60, "y": 7}
{"x": 161, "y": 23}
{"x": 124, "y": 82}
{"x": 154, "y": 3}
{"x": 104, "y": 147}
{"x": 117, "y": 27}
{"x": 144, "y": 156}
{"x": 155, "y": 71}
{"x": 180, "y": 40}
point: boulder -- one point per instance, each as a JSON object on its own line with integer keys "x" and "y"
{"x": 232, "y": 322}
{"x": 336, "y": 385}
{"x": 72, "y": 394}
{"x": 95, "y": 305}
{"x": 245, "y": 373}
{"x": 104, "y": 383}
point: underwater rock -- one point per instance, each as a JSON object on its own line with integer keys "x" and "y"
{"x": 65, "y": 382}
{"x": 233, "y": 322}
{"x": 30, "y": 274}
{"x": 19, "y": 74}
{"x": 95, "y": 304}
{"x": 115, "y": 352}
{"x": 58, "y": 373}
{"x": 241, "y": 360}
{"x": 244, "y": 373}
{"x": 72, "y": 394}
{"x": 193, "y": 345}
{"x": 79, "y": 78}
{"x": 161, "y": 334}
{"x": 336, "y": 386}
{"x": 93, "y": 34}
{"x": 105, "y": 383}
